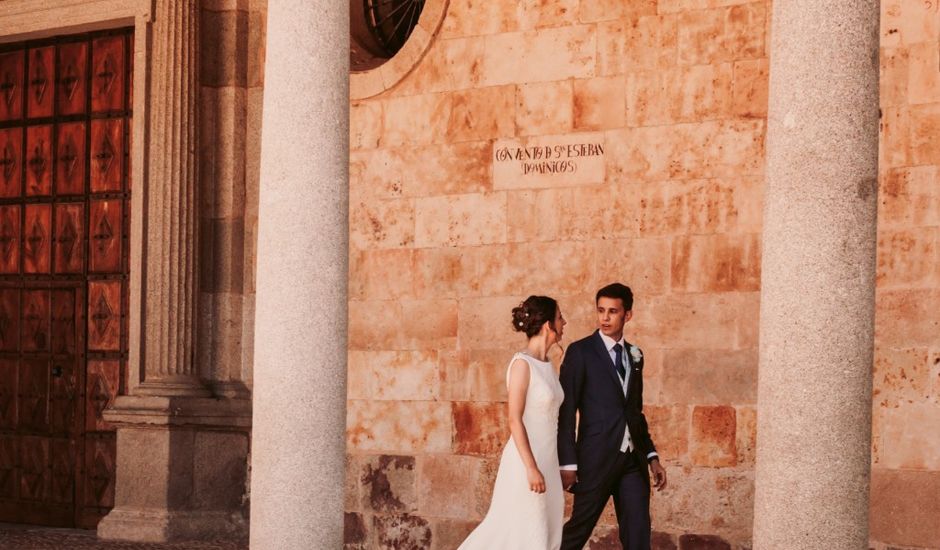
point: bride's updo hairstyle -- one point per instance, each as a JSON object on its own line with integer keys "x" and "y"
{"x": 530, "y": 315}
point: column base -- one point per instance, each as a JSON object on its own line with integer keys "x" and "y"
{"x": 182, "y": 469}
{"x": 160, "y": 525}
{"x": 183, "y": 386}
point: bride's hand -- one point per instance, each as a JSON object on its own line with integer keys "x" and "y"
{"x": 536, "y": 481}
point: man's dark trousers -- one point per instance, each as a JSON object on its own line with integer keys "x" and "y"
{"x": 630, "y": 491}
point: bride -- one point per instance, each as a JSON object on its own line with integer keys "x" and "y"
{"x": 527, "y": 508}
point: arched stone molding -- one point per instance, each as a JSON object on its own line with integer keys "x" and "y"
{"x": 366, "y": 84}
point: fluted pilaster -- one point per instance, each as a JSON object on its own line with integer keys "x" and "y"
{"x": 168, "y": 366}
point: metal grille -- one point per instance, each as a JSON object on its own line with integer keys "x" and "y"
{"x": 391, "y": 21}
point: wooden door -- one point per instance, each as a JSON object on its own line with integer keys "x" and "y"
{"x": 65, "y": 113}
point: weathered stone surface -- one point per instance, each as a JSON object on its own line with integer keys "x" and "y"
{"x": 389, "y": 484}
{"x": 452, "y": 487}
{"x": 544, "y": 108}
{"x": 669, "y": 428}
{"x": 716, "y": 263}
{"x": 390, "y": 375}
{"x": 746, "y": 439}
{"x": 447, "y": 534}
{"x": 480, "y": 428}
{"x": 904, "y": 318}
{"x": 647, "y": 42}
{"x": 909, "y": 197}
{"x": 460, "y": 220}
{"x": 415, "y": 120}
{"x": 662, "y": 541}
{"x": 481, "y": 114}
{"x": 722, "y": 34}
{"x": 355, "y": 532}
{"x": 404, "y": 532}
{"x": 453, "y": 168}
{"x": 714, "y": 434}
{"x": 717, "y": 500}
{"x": 411, "y": 427}
{"x": 713, "y": 149}
{"x": 750, "y": 88}
{"x": 702, "y": 542}
{"x": 903, "y": 507}
{"x": 598, "y": 103}
{"x": 909, "y": 258}
{"x": 903, "y": 440}
{"x": 224, "y": 52}
{"x": 540, "y": 56}
{"x": 709, "y": 377}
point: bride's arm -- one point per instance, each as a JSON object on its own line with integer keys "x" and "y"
{"x": 518, "y": 386}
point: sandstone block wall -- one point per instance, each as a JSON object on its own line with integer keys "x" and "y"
{"x": 445, "y": 240}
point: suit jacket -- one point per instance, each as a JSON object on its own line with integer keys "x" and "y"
{"x": 594, "y": 395}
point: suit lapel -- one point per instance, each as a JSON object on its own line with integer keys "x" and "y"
{"x": 606, "y": 363}
{"x": 630, "y": 374}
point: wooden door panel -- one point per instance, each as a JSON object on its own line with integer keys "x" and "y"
{"x": 8, "y": 391}
{"x": 105, "y": 248}
{"x": 10, "y": 239}
{"x": 8, "y": 481}
{"x": 34, "y": 456}
{"x": 107, "y": 154}
{"x": 71, "y": 153}
{"x": 9, "y": 319}
{"x": 12, "y": 72}
{"x": 64, "y": 195}
{"x": 70, "y": 238}
{"x": 11, "y": 154}
{"x": 104, "y": 315}
{"x": 32, "y": 403}
{"x": 63, "y": 396}
{"x": 100, "y": 465}
{"x": 62, "y": 471}
{"x": 103, "y": 382}
{"x": 37, "y": 235}
{"x": 40, "y": 82}
{"x": 34, "y": 335}
{"x": 73, "y": 78}
{"x": 64, "y": 316}
{"x": 107, "y": 91}
{"x": 39, "y": 160}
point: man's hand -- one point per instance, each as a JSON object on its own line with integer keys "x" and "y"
{"x": 659, "y": 474}
{"x": 568, "y": 478}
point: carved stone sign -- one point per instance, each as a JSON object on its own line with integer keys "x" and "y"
{"x": 549, "y": 161}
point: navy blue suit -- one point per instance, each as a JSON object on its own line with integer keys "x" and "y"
{"x": 595, "y": 397}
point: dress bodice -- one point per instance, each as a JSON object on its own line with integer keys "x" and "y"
{"x": 544, "y": 395}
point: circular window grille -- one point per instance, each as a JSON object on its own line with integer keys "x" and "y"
{"x": 380, "y": 28}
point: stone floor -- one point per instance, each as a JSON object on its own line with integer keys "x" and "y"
{"x": 25, "y": 537}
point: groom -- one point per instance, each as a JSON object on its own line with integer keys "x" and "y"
{"x": 602, "y": 376}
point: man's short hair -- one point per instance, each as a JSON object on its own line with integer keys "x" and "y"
{"x": 617, "y": 290}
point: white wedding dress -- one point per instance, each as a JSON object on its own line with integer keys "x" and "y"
{"x": 519, "y": 519}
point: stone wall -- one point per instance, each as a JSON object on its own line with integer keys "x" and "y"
{"x": 231, "y": 75}
{"x": 906, "y": 406}
{"x": 448, "y": 232}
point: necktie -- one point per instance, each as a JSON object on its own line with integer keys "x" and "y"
{"x": 618, "y": 362}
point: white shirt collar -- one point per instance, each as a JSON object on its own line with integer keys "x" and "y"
{"x": 610, "y": 342}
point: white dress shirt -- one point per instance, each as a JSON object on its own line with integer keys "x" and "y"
{"x": 609, "y": 342}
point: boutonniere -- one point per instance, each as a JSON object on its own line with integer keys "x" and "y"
{"x": 636, "y": 354}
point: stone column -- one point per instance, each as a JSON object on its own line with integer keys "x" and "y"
{"x": 181, "y": 454}
{"x": 299, "y": 410}
{"x": 818, "y": 277}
